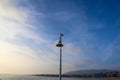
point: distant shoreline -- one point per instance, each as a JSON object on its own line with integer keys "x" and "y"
{"x": 80, "y": 76}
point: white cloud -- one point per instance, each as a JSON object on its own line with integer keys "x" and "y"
{"x": 70, "y": 48}
{"x": 25, "y": 59}
{"x": 22, "y": 59}
{"x": 9, "y": 11}
{"x": 14, "y": 22}
{"x": 18, "y": 58}
{"x": 13, "y": 58}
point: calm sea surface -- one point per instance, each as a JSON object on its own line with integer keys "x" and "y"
{"x": 23, "y": 77}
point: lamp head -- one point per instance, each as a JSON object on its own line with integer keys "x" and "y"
{"x": 59, "y": 45}
{"x": 61, "y": 34}
{"x": 60, "y": 42}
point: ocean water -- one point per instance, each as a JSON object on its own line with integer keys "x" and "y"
{"x": 24, "y": 77}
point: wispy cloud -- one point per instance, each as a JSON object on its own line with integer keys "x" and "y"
{"x": 9, "y": 11}
{"x": 27, "y": 38}
{"x": 13, "y": 24}
{"x": 17, "y": 56}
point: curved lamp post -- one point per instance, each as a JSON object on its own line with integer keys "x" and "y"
{"x": 60, "y": 45}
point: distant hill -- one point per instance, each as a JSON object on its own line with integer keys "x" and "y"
{"x": 80, "y": 72}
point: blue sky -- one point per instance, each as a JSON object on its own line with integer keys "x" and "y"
{"x": 29, "y": 32}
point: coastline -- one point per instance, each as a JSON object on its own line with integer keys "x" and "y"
{"x": 80, "y": 76}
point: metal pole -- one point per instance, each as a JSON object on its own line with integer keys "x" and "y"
{"x": 60, "y": 76}
{"x": 60, "y": 45}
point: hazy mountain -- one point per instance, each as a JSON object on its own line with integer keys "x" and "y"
{"x": 89, "y": 72}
